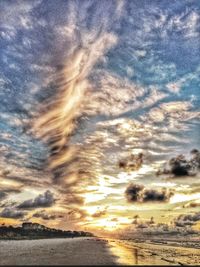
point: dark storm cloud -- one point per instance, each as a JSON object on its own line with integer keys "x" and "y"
{"x": 180, "y": 166}
{"x": 138, "y": 193}
{"x": 12, "y": 212}
{"x": 45, "y": 200}
{"x": 187, "y": 219}
{"x": 45, "y": 216}
{"x": 155, "y": 195}
{"x": 133, "y": 192}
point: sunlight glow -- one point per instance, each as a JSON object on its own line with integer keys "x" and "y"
{"x": 177, "y": 198}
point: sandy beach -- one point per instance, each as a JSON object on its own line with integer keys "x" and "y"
{"x": 69, "y": 251}
{"x": 93, "y": 251}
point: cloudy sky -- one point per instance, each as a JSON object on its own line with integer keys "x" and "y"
{"x": 97, "y": 101}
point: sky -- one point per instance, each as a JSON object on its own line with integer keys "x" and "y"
{"x": 98, "y": 100}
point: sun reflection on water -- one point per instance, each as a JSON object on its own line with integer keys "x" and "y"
{"x": 126, "y": 256}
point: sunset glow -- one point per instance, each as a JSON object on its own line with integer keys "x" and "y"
{"x": 100, "y": 115}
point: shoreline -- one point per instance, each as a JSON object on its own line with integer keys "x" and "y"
{"x": 151, "y": 254}
{"x": 166, "y": 243}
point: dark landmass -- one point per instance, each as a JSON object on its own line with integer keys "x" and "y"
{"x": 37, "y": 231}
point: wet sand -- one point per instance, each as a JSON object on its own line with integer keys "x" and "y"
{"x": 93, "y": 251}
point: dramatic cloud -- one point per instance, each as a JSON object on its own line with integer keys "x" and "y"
{"x": 57, "y": 119}
{"x": 138, "y": 193}
{"x": 46, "y": 216}
{"x": 86, "y": 84}
{"x": 180, "y": 166}
{"x": 12, "y": 212}
{"x": 133, "y": 192}
{"x": 187, "y": 219}
{"x": 155, "y": 195}
{"x": 5, "y": 191}
{"x": 45, "y": 200}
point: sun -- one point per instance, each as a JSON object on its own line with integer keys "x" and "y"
{"x": 107, "y": 223}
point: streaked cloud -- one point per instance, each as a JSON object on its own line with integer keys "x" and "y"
{"x": 45, "y": 216}
{"x": 12, "y": 213}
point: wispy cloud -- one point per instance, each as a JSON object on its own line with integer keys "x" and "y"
{"x": 85, "y": 84}
{"x": 12, "y": 213}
